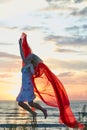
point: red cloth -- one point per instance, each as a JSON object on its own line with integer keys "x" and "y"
{"x": 51, "y": 91}
{"x": 25, "y": 47}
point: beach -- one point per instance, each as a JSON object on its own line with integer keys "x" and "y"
{"x": 13, "y": 117}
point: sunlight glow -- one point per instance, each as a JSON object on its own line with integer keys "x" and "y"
{"x": 56, "y": 33}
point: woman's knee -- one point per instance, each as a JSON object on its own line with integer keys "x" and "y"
{"x": 31, "y": 104}
{"x": 20, "y": 103}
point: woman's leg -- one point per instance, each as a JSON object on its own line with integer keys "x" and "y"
{"x": 26, "y": 107}
{"x": 37, "y": 106}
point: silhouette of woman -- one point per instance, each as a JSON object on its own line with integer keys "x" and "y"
{"x": 27, "y": 89}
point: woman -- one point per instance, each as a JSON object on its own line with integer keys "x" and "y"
{"x": 27, "y": 90}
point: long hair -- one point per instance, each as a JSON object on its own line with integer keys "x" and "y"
{"x": 35, "y": 60}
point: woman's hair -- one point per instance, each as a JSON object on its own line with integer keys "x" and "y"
{"x": 35, "y": 60}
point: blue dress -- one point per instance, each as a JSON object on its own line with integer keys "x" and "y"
{"x": 27, "y": 88}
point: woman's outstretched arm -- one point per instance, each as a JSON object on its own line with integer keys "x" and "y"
{"x": 21, "y": 51}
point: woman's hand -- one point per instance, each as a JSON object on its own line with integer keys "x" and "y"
{"x": 23, "y": 35}
{"x": 20, "y": 41}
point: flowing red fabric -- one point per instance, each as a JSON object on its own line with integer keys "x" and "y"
{"x": 51, "y": 91}
{"x": 25, "y": 47}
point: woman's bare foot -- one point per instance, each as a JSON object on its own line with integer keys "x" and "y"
{"x": 45, "y": 113}
{"x": 34, "y": 114}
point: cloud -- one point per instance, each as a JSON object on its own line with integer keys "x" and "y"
{"x": 55, "y": 2}
{"x": 82, "y": 12}
{"x": 1, "y": 44}
{"x": 77, "y": 30}
{"x": 9, "y": 27}
{"x": 73, "y": 65}
{"x": 85, "y": 26}
{"x": 77, "y": 27}
{"x": 67, "y": 50}
{"x": 10, "y": 66}
{"x": 7, "y": 55}
{"x": 30, "y": 28}
{"x": 66, "y": 74}
{"x": 9, "y": 63}
{"x": 4, "y": 75}
{"x": 64, "y": 5}
{"x": 61, "y": 40}
{"x": 78, "y": 1}
{"x": 74, "y": 78}
{"x": 3, "y": 1}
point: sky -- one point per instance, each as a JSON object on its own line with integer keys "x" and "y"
{"x": 56, "y": 31}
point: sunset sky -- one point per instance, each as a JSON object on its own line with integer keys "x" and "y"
{"x": 56, "y": 31}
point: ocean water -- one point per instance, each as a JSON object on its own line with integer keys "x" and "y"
{"x": 11, "y": 115}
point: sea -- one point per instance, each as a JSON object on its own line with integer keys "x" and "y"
{"x": 13, "y": 117}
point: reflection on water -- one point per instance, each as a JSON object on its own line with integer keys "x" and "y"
{"x": 13, "y": 117}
